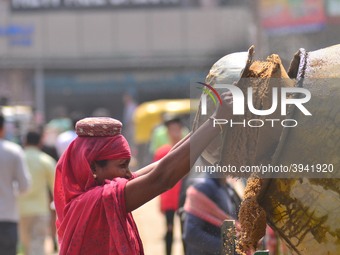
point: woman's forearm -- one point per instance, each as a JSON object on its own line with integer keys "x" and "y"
{"x": 164, "y": 174}
{"x": 179, "y": 161}
{"x": 150, "y": 167}
{"x": 146, "y": 169}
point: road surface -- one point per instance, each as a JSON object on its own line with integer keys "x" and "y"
{"x": 151, "y": 226}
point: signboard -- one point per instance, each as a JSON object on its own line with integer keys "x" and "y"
{"x": 289, "y": 16}
{"x": 27, "y": 5}
{"x": 17, "y": 35}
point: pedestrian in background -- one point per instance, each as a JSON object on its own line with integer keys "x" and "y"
{"x": 169, "y": 200}
{"x": 15, "y": 178}
{"x": 160, "y": 136}
{"x": 130, "y": 105}
{"x": 66, "y": 137}
{"x": 129, "y": 109}
{"x": 208, "y": 203}
{"x": 34, "y": 205}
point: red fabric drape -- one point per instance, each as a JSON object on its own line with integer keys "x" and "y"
{"x": 92, "y": 219}
{"x": 198, "y": 204}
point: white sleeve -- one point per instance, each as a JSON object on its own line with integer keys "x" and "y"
{"x": 22, "y": 174}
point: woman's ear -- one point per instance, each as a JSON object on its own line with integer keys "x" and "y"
{"x": 93, "y": 167}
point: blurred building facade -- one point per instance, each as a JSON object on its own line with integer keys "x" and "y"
{"x": 83, "y": 54}
{"x": 83, "y": 57}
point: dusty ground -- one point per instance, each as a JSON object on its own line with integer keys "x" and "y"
{"x": 151, "y": 225}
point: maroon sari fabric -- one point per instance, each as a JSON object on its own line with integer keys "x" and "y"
{"x": 92, "y": 219}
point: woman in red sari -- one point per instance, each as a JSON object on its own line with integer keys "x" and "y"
{"x": 95, "y": 192}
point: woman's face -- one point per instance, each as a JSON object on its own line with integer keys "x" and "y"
{"x": 113, "y": 168}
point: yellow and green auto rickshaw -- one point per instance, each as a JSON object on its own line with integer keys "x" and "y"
{"x": 150, "y": 115}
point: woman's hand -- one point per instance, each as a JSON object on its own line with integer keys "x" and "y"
{"x": 224, "y": 110}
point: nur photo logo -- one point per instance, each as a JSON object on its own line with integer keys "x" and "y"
{"x": 279, "y": 96}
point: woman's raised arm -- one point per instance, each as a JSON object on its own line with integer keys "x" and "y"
{"x": 165, "y": 173}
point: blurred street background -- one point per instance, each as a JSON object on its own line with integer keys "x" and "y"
{"x": 60, "y": 58}
{"x": 80, "y": 57}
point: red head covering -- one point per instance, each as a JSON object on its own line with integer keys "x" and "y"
{"x": 89, "y": 215}
{"x": 74, "y": 173}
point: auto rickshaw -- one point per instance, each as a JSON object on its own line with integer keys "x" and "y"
{"x": 150, "y": 114}
{"x": 18, "y": 121}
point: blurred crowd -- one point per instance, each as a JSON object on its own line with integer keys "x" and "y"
{"x": 28, "y": 161}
